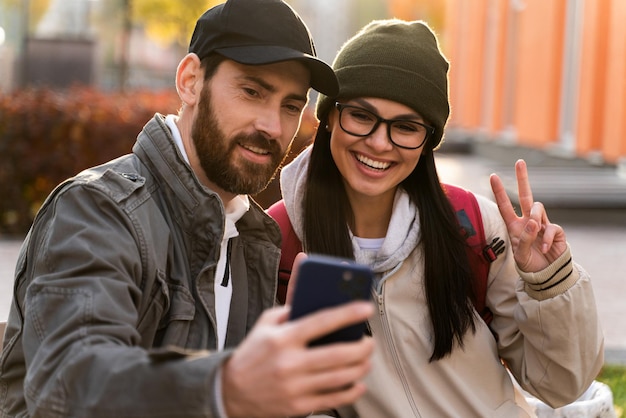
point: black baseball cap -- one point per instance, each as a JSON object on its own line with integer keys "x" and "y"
{"x": 257, "y": 32}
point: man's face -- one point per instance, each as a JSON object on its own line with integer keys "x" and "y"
{"x": 217, "y": 154}
{"x": 246, "y": 120}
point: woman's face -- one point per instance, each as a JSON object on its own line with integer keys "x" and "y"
{"x": 372, "y": 166}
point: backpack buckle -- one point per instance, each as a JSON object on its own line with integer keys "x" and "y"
{"x": 493, "y": 250}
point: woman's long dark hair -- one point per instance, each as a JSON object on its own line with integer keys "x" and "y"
{"x": 448, "y": 277}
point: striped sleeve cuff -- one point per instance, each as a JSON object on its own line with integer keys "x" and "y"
{"x": 552, "y": 281}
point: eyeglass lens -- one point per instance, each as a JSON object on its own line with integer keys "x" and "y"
{"x": 361, "y": 122}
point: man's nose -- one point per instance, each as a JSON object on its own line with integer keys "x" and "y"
{"x": 268, "y": 122}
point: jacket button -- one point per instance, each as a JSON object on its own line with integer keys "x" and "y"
{"x": 130, "y": 176}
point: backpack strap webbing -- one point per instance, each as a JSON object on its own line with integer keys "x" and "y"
{"x": 290, "y": 247}
{"x": 480, "y": 254}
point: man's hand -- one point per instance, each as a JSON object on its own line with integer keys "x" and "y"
{"x": 273, "y": 373}
{"x": 535, "y": 241}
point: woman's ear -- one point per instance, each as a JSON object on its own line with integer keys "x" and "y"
{"x": 189, "y": 79}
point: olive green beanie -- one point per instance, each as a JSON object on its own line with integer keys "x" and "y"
{"x": 395, "y": 60}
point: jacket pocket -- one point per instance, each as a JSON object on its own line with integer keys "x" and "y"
{"x": 170, "y": 304}
{"x": 181, "y": 305}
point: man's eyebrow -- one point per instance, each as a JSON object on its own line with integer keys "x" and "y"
{"x": 271, "y": 88}
{"x": 258, "y": 80}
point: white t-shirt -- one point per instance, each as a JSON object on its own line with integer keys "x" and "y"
{"x": 369, "y": 243}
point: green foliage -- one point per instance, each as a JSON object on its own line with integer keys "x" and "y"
{"x": 615, "y": 377}
{"x": 47, "y": 136}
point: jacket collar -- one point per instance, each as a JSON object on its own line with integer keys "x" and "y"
{"x": 156, "y": 148}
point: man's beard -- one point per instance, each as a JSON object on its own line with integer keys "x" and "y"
{"x": 218, "y": 158}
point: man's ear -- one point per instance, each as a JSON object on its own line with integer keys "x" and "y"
{"x": 189, "y": 79}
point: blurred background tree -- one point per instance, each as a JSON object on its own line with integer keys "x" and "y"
{"x": 167, "y": 21}
{"x": 36, "y": 9}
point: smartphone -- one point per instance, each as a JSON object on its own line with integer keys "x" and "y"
{"x": 324, "y": 282}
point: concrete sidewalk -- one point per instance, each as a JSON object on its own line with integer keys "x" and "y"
{"x": 597, "y": 238}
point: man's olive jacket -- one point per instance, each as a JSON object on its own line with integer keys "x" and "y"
{"x": 113, "y": 311}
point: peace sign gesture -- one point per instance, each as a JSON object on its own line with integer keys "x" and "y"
{"x": 536, "y": 242}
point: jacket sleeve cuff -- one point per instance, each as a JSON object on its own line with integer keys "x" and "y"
{"x": 552, "y": 281}
{"x": 219, "y": 401}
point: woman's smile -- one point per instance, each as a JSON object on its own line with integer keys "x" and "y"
{"x": 371, "y": 163}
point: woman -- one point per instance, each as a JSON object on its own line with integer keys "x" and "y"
{"x": 368, "y": 190}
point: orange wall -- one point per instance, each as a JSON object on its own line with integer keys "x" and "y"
{"x": 465, "y": 48}
{"x": 506, "y": 73}
{"x": 450, "y": 46}
{"x": 472, "y": 56}
{"x": 540, "y": 57}
{"x": 497, "y": 19}
{"x": 614, "y": 138}
{"x": 590, "y": 129}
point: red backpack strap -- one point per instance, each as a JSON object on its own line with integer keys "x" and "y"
{"x": 480, "y": 254}
{"x": 290, "y": 247}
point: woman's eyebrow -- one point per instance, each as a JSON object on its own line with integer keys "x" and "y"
{"x": 367, "y": 106}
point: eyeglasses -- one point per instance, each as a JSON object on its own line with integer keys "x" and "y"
{"x": 403, "y": 133}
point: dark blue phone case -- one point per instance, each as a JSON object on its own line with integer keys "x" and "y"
{"x": 325, "y": 282}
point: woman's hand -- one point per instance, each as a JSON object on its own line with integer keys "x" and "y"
{"x": 535, "y": 241}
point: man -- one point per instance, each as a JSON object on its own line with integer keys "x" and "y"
{"x": 140, "y": 279}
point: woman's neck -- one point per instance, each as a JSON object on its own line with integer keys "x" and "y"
{"x": 371, "y": 214}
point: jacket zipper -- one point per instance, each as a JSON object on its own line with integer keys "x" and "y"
{"x": 389, "y": 342}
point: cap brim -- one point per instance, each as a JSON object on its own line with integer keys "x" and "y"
{"x": 323, "y": 77}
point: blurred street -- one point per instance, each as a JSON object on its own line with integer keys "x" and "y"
{"x": 597, "y": 237}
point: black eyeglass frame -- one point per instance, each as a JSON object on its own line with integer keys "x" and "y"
{"x": 429, "y": 129}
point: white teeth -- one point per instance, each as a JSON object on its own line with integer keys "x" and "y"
{"x": 378, "y": 165}
{"x": 256, "y": 150}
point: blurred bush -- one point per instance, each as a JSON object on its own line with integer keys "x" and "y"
{"x": 47, "y": 136}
